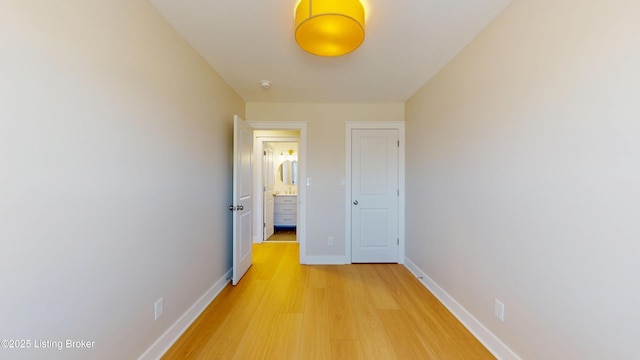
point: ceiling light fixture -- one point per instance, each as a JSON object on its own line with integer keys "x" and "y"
{"x": 329, "y": 27}
{"x": 290, "y": 157}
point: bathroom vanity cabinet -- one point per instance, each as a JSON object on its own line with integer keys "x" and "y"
{"x": 285, "y": 210}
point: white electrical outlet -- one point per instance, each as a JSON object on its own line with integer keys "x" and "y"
{"x": 330, "y": 240}
{"x": 498, "y": 310}
{"x": 158, "y": 308}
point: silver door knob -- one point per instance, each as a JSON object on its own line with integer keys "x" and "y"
{"x": 231, "y": 207}
{"x": 240, "y": 207}
{"x": 355, "y": 202}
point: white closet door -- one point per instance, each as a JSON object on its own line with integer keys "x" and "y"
{"x": 374, "y": 196}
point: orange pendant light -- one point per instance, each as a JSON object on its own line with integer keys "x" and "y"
{"x": 329, "y": 27}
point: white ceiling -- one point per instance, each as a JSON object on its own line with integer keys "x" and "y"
{"x": 406, "y": 43}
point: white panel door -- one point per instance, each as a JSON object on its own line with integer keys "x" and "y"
{"x": 374, "y": 196}
{"x": 242, "y": 197}
{"x": 269, "y": 179}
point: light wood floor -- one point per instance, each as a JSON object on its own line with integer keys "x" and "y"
{"x": 285, "y": 234}
{"x": 284, "y": 310}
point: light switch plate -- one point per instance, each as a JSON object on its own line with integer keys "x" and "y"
{"x": 158, "y": 308}
{"x": 498, "y": 310}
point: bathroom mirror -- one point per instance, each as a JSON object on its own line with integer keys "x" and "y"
{"x": 288, "y": 172}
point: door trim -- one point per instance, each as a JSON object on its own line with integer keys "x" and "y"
{"x": 394, "y": 125}
{"x": 301, "y": 231}
{"x": 258, "y": 145}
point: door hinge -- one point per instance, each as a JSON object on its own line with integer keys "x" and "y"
{"x": 398, "y": 192}
{"x": 264, "y": 225}
{"x": 265, "y": 152}
{"x": 398, "y": 143}
{"x": 398, "y": 241}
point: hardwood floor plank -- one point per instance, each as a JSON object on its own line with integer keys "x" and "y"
{"x": 343, "y": 349}
{"x": 285, "y": 342}
{"x": 192, "y": 341}
{"x": 406, "y": 343}
{"x": 463, "y": 349}
{"x": 284, "y": 310}
{"x": 223, "y": 343}
{"x": 195, "y": 338}
{"x": 255, "y": 340}
{"x": 269, "y": 263}
{"x": 343, "y": 322}
{"x": 373, "y": 337}
{"x": 381, "y": 296}
{"x": 291, "y": 279}
{"x": 431, "y": 328}
{"x": 437, "y": 325}
{"x": 422, "y": 304}
{"x": 317, "y": 276}
{"x": 315, "y": 341}
{"x": 295, "y": 294}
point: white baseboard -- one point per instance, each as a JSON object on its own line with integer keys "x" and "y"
{"x": 486, "y": 337}
{"x": 323, "y": 260}
{"x": 173, "y": 333}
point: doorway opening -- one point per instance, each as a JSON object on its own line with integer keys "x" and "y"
{"x": 280, "y": 163}
{"x": 280, "y": 186}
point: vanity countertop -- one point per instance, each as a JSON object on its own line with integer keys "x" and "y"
{"x": 285, "y": 194}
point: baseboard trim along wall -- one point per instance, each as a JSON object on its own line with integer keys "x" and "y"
{"x": 175, "y": 331}
{"x": 323, "y": 260}
{"x": 486, "y": 337}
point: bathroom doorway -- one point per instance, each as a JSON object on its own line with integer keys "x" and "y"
{"x": 280, "y": 189}
{"x": 282, "y": 132}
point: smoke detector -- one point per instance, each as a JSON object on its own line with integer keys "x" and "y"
{"x": 265, "y": 84}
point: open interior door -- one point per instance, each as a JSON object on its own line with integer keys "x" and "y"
{"x": 269, "y": 179}
{"x": 242, "y": 197}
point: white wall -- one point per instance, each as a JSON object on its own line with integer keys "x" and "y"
{"x": 325, "y": 160}
{"x": 115, "y": 162}
{"x": 523, "y": 178}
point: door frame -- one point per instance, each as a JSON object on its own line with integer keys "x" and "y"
{"x": 381, "y": 125}
{"x": 266, "y": 146}
{"x": 258, "y": 144}
{"x": 301, "y": 229}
